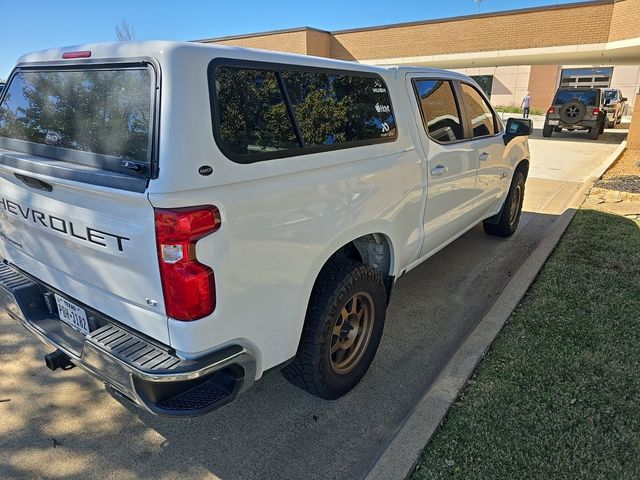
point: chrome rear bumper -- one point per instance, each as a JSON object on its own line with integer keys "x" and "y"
{"x": 133, "y": 367}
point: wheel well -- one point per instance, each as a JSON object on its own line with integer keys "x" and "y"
{"x": 374, "y": 250}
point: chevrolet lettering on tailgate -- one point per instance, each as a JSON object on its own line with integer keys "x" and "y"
{"x": 63, "y": 226}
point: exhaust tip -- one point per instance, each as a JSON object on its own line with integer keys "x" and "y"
{"x": 58, "y": 359}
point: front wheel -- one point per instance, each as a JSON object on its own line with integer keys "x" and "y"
{"x": 509, "y": 216}
{"x": 342, "y": 329}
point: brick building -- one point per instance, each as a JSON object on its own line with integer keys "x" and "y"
{"x": 594, "y": 43}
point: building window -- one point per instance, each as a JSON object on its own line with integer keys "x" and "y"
{"x": 586, "y": 77}
{"x": 485, "y": 82}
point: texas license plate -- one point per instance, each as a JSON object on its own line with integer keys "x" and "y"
{"x": 72, "y": 315}
{"x": 554, "y": 122}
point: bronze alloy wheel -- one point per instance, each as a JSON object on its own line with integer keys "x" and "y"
{"x": 352, "y": 332}
{"x": 342, "y": 331}
{"x": 515, "y": 204}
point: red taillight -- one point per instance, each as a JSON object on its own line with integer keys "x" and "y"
{"x": 551, "y": 110}
{"x": 78, "y": 54}
{"x": 188, "y": 285}
{"x": 596, "y": 111}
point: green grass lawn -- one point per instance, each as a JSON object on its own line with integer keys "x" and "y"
{"x": 558, "y": 394}
{"x": 508, "y": 109}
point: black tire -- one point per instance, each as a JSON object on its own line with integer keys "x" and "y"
{"x": 572, "y": 112}
{"x": 547, "y": 130}
{"x": 594, "y": 132}
{"x": 509, "y": 215}
{"x": 314, "y": 368}
{"x": 602, "y": 125}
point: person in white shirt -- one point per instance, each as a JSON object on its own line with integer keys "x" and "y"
{"x": 526, "y": 105}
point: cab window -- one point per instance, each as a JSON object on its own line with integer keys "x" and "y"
{"x": 439, "y": 110}
{"x": 483, "y": 123}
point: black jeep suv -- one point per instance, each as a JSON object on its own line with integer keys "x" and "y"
{"x": 576, "y": 109}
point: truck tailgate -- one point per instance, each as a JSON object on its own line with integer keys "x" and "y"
{"x": 95, "y": 244}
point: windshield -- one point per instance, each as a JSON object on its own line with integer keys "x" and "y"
{"x": 610, "y": 94}
{"x": 588, "y": 97}
{"x": 103, "y": 112}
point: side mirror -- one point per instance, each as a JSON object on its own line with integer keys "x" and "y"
{"x": 623, "y": 99}
{"x": 517, "y": 127}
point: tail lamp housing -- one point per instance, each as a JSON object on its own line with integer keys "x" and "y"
{"x": 188, "y": 286}
{"x": 595, "y": 111}
{"x": 551, "y": 110}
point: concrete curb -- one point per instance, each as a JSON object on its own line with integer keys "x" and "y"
{"x": 401, "y": 455}
{"x": 614, "y": 195}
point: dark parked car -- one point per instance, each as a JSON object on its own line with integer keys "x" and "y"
{"x": 576, "y": 109}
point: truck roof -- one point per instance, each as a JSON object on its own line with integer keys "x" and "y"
{"x": 166, "y": 50}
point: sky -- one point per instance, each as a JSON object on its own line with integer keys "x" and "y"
{"x": 31, "y": 25}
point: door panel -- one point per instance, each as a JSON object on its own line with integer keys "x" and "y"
{"x": 492, "y": 173}
{"x": 451, "y": 162}
{"x": 486, "y": 130}
{"x": 451, "y": 195}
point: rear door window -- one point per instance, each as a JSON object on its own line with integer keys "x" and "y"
{"x": 483, "y": 122}
{"x": 94, "y": 116}
{"x": 439, "y": 110}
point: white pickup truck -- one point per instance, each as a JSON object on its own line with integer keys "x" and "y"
{"x": 176, "y": 218}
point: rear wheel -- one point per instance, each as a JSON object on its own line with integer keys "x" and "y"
{"x": 547, "y": 130}
{"x": 594, "y": 132}
{"x": 511, "y": 210}
{"x": 342, "y": 330}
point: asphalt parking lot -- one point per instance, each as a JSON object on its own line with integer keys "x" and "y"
{"x": 64, "y": 425}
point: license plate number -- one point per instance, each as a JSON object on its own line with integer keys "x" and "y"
{"x": 72, "y": 315}
{"x": 554, "y": 122}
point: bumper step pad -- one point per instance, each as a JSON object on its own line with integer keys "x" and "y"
{"x": 132, "y": 349}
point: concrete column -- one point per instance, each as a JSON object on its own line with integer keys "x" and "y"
{"x": 633, "y": 139}
{"x": 543, "y": 81}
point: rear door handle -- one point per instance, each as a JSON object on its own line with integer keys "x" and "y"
{"x": 483, "y": 156}
{"x": 439, "y": 170}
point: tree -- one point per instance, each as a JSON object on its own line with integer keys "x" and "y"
{"x": 125, "y": 31}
